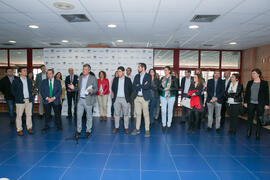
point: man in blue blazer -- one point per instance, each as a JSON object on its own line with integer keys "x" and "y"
{"x": 142, "y": 95}
{"x": 121, "y": 94}
{"x": 215, "y": 93}
{"x": 51, "y": 90}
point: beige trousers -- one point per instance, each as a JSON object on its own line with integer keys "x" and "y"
{"x": 20, "y": 108}
{"x": 102, "y": 102}
{"x": 142, "y": 106}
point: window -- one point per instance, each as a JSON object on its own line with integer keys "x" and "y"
{"x": 3, "y": 58}
{"x": 230, "y": 60}
{"x": 209, "y": 59}
{"x": 188, "y": 58}
{"x": 161, "y": 73}
{"x": 38, "y": 57}
{"x": 18, "y": 57}
{"x": 163, "y": 58}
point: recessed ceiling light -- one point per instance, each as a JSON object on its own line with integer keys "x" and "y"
{"x": 63, "y": 5}
{"x": 120, "y": 41}
{"x": 64, "y": 41}
{"x": 233, "y": 43}
{"x": 11, "y": 41}
{"x": 33, "y": 26}
{"x": 193, "y": 27}
{"x": 112, "y": 25}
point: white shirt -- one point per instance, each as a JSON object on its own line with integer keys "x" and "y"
{"x": 25, "y": 88}
{"x": 43, "y": 76}
{"x": 232, "y": 89}
{"x": 121, "y": 87}
{"x": 83, "y": 87}
{"x": 71, "y": 78}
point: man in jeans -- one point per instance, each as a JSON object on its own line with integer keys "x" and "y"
{"x": 142, "y": 95}
{"x": 215, "y": 93}
{"x": 87, "y": 89}
{"x": 5, "y": 88}
{"x": 185, "y": 85}
{"x": 121, "y": 88}
{"x": 22, "y": 91}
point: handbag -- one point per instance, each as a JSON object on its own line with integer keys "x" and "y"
{"x": 265, "y": 119}
{"x": 185, "y": 102}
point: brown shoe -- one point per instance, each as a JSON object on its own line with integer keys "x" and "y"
{"x": 105, "y": 118}
{"x": 115, "y": 130}
{"x": 101, "y": 118}
{"x": 147, "y": 134}
{"x": 20, "y": 133}
{"x": 127, "y": 131}
{"x": 30, "y": 131}
{"x": 112, "y": 118}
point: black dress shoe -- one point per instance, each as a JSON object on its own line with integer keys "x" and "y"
{"x": 87, "y": 134}
{"x": 208, "y": 129}
{"x": 59, "y": 128}
{"x": 45, "y": 129}
{"x": 77, "y": 134}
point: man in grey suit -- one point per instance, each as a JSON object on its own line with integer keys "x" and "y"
{"x": 40, "y": 77}
{"x": 87, "y": 89}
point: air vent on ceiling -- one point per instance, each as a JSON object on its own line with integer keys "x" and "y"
{"x": 55, "y": 44}
{"x": 204, "y": 18}
{"x": 75, "y": 17}
{"x": 8, "y": 44}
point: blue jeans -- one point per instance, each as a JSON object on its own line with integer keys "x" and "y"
{"x": 164, "y": 102}
{"x": 152, "y": 105}
{"x": 11, "y": 110}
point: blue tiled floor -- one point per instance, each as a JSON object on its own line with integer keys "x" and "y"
{"x": 172, "y": 155}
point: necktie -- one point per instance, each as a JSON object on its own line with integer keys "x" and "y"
{"x": 51, "y": 90}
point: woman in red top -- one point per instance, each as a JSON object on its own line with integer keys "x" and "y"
{"x": 196, "y": 102}
{"x": 102, "y": 94}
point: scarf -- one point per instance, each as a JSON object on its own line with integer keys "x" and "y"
{"x": 166, "y": 83}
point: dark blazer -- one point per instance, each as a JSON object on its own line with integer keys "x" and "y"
{"x": 263, "y": 96}
{"x": 220, "y": 89}
{"x": 146, "y": 85}
{"x": 154, "y": 89}
{"x": 127, "y": 88}
{"x": 174, "y": 86}
{"x": 183, "y": 81}
{"x": 17, "y": 90}
{"x": 45, "y": 91}
{"x": 237, "y": 96}
{"x": 74, "y": 82}
{"x": 5, "y": 88}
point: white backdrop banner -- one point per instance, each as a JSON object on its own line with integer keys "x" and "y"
{"x": 100, "y": 59}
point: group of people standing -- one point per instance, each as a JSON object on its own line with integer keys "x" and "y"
{"x": 142, "y": 94}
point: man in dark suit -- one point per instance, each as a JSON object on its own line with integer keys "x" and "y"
{"x": 5, "y": 88}
{"x": 215, "y": 93}
{"x": 226, "y": 81}
{"x": 39, "y": 78}
{"x": 51, "y": 90}
{"x": 71, "y": 94}
{"x": 121, "y": 89}
{"x": 142, "y": 95}
{"x": 185, "y": 85}
{"x": 22, "y": 91}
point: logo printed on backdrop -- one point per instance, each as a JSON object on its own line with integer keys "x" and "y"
{"x": 99, "y": 59}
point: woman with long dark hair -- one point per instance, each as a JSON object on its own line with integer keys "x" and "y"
{"x": 58, "y": 76}
{"x": 196, "y": 102}
{"x": 256, "y": 100}
{"x": 154, "y": 94}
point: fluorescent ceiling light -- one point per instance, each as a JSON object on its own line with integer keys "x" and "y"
{"x": 112, "y": 25}
{"x": 119, "y": 41}
{"x": 193, "y": 27}
{"x": 233, "y": 43}
{"x": 64, "y": 41}
{"x": 33, "y": 26}
{"x": 63, "y": 5}
{"x": 11, "y": 41}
